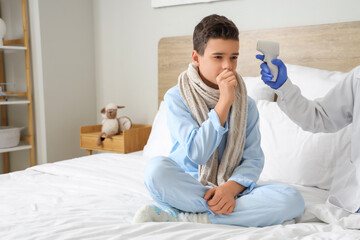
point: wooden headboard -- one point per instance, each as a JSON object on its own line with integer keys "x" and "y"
{"x": 334, "y": 47}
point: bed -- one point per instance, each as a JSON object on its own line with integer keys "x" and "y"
{"x": 96, "y": 196}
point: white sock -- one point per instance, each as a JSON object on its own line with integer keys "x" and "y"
{"x": 194, "y": 217}
{"x": 152, "y": 213}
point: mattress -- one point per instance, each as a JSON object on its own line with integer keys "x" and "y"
{"x": 96, "y": 197}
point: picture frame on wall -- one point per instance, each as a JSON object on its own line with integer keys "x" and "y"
{"x": 168, "y": 3}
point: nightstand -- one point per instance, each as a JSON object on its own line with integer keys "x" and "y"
{"x": 128, "y": 141}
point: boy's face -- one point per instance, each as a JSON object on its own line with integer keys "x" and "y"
{"x": 219, "y": 55}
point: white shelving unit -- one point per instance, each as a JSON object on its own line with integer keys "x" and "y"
{"x": 13, "y": 102}
{"x": 22, "y": 146}
{"x": 13, "y": 47}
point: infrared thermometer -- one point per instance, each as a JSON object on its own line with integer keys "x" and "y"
{"x": 270, "y": 50}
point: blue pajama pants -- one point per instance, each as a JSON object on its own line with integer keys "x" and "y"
{"x": 268, "y": 204}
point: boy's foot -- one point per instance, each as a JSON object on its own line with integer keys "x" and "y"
{"x": 152, "y": 213}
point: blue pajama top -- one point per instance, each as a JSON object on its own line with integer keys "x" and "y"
{"x": 193, "y": 145}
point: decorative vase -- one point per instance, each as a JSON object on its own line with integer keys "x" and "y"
{"x": 2, "y": 31}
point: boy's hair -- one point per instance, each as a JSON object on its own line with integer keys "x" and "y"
{"x": 213, "y": 26}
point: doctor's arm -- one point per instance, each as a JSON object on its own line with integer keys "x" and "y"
{"x": 327, "y": 114}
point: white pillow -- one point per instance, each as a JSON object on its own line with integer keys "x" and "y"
{"x": 159, "y": 142}
{"x": 257, "y": 89}
{"x": 295, "y": 156}
{"x": 313, "y": 83}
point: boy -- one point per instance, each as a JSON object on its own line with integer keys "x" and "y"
{"x": 337, "y": 109}
{"x": 210, "y": 175}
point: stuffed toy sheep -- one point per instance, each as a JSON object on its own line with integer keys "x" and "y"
{"x": 110, "y": 124}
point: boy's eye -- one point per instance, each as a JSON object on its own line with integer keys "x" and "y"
{"x": 218, "y": 57}
{"x": 234, "y": 57}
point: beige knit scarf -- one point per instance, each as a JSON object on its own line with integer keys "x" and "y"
{"x": 199, "y": 98}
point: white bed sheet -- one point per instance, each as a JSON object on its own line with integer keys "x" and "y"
{"x": 95, "y": 197}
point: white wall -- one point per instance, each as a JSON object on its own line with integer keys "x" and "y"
{"x": 62, "y": 47}
{"x": 127, "y": 35}
{"x": 67, "y": 47}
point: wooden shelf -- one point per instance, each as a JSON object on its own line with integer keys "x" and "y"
{"x": 22, "y": 146}
{"x": 13, "y": 102}
{"x": 13, "y": 47}
{"x": 128, "y": 141}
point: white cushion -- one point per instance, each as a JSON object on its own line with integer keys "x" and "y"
{"x": 159, "y": 142}
{"x": 313, "y": 83}
{"x": 257, "y": 89}
{"x": 295, "y": 156}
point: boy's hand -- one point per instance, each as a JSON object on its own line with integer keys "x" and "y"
{"x": 266, "y": 74}
{"x": 227, "y": 82}
{"x": 221, "y": 199}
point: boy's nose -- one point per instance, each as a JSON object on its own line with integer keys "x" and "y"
{"x": 227, "y": 65}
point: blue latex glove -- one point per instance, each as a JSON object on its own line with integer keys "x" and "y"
{"x": 266, "y": 75}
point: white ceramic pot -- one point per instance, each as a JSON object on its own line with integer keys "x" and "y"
{"x": 9, "y": 136}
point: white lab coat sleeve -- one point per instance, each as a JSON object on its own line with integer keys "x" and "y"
{"x": 328, "y": 114}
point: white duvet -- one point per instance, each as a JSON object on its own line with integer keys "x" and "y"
{"x": 95, "y": 197}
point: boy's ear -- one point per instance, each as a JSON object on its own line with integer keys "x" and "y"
{"x": 195, "y": 58}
